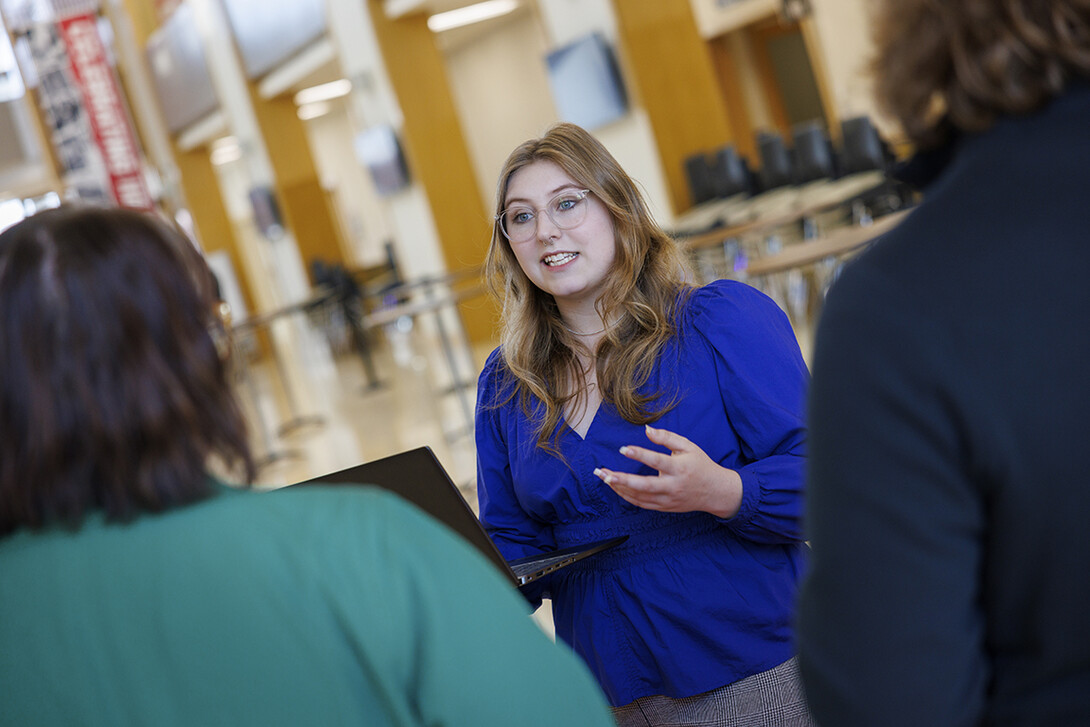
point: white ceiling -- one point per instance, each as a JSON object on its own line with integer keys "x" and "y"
{"x": 401, "y": 7}
{"x": 446, "y": 40}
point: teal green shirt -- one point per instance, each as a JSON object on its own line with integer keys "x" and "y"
{"x": 308, "y": 606}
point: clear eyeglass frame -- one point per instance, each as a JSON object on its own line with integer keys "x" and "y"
{"x": 551, "y": 209}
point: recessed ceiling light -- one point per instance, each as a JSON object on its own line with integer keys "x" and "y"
{"x": 470, "y": 14}
{"x": 226, "y": 150}
{"x": 313, "y": 110}
{"x": 324, "y": 92}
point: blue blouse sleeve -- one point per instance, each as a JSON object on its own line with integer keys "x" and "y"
{"x": 514, "y": 532}
{"x": 762, "y": 379}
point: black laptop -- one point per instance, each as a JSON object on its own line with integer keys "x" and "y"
{"x": 417, "y": 476}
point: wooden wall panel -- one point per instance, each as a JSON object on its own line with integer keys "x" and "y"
{"x": 436, "y": 151}
{"x": 197, "y": 177}
{"x": 675, "y": 82}
{"x": 306, "y": 209}
{"x": 730, "y": 84}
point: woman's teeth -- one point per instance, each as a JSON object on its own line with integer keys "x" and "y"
{"x": 559, "y": 258}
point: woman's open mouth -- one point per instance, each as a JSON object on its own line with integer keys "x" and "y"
{"x": 559, "y": 258}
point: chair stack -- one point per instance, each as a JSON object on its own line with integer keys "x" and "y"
{"x": 811, "y": 157}
{"x": 720, "y": 174}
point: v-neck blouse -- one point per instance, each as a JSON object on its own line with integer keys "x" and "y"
{"x": 690, "y": 602}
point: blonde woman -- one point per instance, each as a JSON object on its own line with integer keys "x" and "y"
{"x": 625, "y": 401}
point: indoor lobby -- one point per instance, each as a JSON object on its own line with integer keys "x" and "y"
{"x": 362, "y": 138}
{"x": 866, "y": 522}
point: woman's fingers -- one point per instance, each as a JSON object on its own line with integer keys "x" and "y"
{"x": 641, "y": 490}
{"x": 687, "y": 478}
{"x": 676, "y": 443}
{"x": 671, "y": 440}
{"x": 628, "y": 481}
{"x": 654, "y": 460}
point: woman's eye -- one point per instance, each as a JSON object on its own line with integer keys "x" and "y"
{"x": 566, "y": 203}
{"x": 521, "y": 217}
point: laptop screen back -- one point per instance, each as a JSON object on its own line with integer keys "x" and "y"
{"x": 417, "y": 476}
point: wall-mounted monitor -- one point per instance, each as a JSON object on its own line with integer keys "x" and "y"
{"x": 269, "y": 32}
{"x": 813, "y": 158}
{"x": 379, "y": 150}
{"x": 266, "y": 211}
{"x": 180, "y": 72}
{"x": 586, "y": 83}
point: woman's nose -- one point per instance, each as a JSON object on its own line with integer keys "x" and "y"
{"x": 547, "y": 231}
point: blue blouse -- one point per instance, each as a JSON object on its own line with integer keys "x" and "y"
{"x": 690, "y": 602}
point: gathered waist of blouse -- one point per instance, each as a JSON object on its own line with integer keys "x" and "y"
{"x": 650, "y": 534}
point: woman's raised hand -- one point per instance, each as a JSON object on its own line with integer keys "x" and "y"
{"x": 687, "y": 480}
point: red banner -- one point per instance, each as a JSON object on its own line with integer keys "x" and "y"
{"x": 109, "y": 121}
{"x": 77, "y": 154}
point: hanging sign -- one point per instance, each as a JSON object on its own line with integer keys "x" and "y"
{"x": 110, "y": 125}
{"x": 81, "y": 166}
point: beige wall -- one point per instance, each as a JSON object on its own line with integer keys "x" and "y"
{"x": 361, "y": 215}
{"x": 756, "y": 104}
{"x": 844, "y": 34}
{"x": 502, "y": 94}
{"x": 843, "y": 37}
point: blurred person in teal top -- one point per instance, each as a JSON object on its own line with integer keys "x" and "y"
{"x": 137, "y": 590}
{"x": 625, "y": 401}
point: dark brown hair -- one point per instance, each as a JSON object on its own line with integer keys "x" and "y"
{"x": 646, "y": 287}
{"x": 113, "y": 395}
{"x": 960, "y": 64}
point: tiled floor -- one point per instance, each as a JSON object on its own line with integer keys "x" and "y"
{"x": 337, "y": 415}
{"x": 341, "y": 420}
{"x": 320, "y": 406}
{"x": 315, "y": 410}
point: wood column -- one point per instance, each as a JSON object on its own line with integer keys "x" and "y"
{"x": 197, "y": 177}
{"x": 730, "y": 84}
{"x": 812, "y": 38}
{"x": 436, "y": 152}
{"x": 205, "y": 203}
{"x": 676, "y": 84}
{"x": 307, "y": 210}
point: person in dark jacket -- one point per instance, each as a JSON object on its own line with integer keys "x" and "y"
{"x": 949, "y": 484}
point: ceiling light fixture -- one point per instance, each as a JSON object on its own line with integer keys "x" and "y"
{"x": 225, "y": 150}
{"x": 470, "y": 14}
{"x": 313, "y": 110}
{"x": 324, "y": 92}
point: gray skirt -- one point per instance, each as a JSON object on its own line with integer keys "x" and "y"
{"x": 773, "y": 698}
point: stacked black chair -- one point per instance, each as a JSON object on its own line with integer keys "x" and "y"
{"x": 731, "y": 174}
{"x": 721, "y": 174}
{"x": 861, "y": 147}
{"x": 776, "y": 165}
{"x": 699, "y": 174}
{"x": 813, "y": 157}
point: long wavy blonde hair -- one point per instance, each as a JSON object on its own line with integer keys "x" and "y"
{"x": 642, "y": 297}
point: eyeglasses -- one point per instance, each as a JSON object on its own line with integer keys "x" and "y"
{"x": 567, "y": 210}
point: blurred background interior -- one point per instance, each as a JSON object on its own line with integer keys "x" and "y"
{"x": 336, "y": 161}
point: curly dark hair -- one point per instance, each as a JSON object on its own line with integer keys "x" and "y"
{"x": 945, "y": 65}
{"x": 113, "y": 393}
